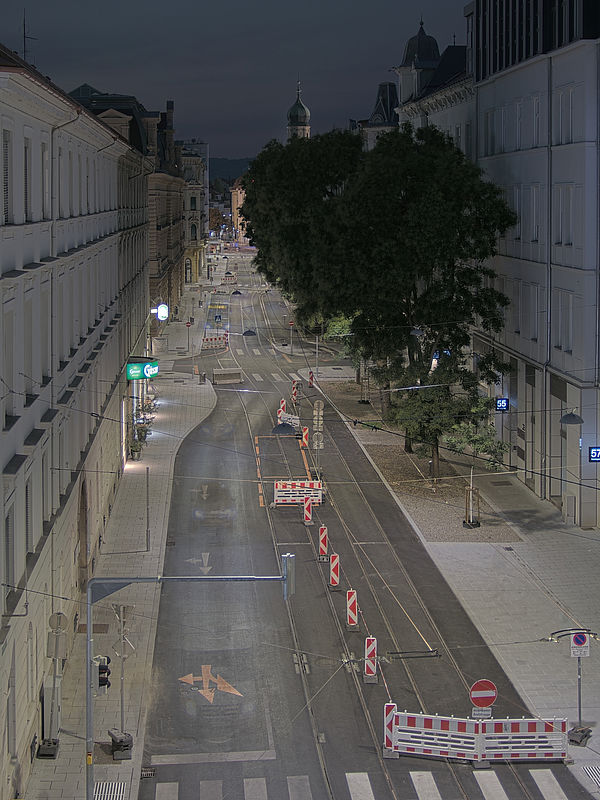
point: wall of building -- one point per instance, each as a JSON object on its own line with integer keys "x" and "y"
{"x": 73, "y": 306}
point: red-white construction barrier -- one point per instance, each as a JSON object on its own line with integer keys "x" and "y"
{"x": 311, "y": 378}
{"x": 294, "y": 394}
{"x": 282, "y": 404}
{"x": 279, "y": 413}
{"x": 323, "y": 540}
{"x": 307, "y": 511}
{"x": 370, "y": 670}
{"x": 209, "y": 342}
{"x": 304, "y": 437}
{"x": 294, "y": 492}
{"x": 351, "y": 608}
{"x": 334, "y": 570}
{"x": 231, "y": 278}
{"x": 474, "y": 740}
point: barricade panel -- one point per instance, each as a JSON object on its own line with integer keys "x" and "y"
{"x": 294, "y": 492}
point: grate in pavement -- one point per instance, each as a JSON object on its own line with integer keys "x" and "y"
{"x": 147, "y": 772}
{"x": 593, "y": 772}
{"x": 109, "y": 790}
{"x": 501, "y": 483}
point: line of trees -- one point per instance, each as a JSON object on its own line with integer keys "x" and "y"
{"x": 394, "y": 241}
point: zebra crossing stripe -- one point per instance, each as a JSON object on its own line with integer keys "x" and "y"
{"x": 256, "y": 351}
{"x": 547, "y": 784}
{"x": 299, "y": 787}
{"x": 257, "y": 377}
{"x": 490, "y": 786}
{"x": 277, "y": 377}
{"x": 360, "y": 786}
{"x": 295, "y": 377}
{"x": 425, "y": 786}
{"x": 255, "y": 789}
{"x": 167, "y": 791}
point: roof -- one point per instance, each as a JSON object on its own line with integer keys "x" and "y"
{"x": 298, "y": 113}
{"x": 452, "y": 67}
{"x": 421, "y": 50}
{"x": 384, "y": 110}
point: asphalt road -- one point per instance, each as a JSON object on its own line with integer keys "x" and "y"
{"x": 259, "y": 699}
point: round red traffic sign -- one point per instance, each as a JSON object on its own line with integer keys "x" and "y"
{"x": 483, "y": 693}
{"x": 291, "y": 322}
{"x": 188, "y": 324}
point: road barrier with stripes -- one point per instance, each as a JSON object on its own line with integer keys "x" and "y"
{"x": 351, "y": 609}
{"x": 474, "y": 740}
{"x": 232, "y": 375}
{"x": 334, "y": 570}
{"x": 209, "y": 342}
{"x": 308, "y": 511}
{"x": 370, "y": 669}
{"x": 293, "y": 492}
{"x": 323, "y": 540}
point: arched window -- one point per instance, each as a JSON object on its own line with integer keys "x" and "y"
{"x": 193, "y": 203}
{"x": 194, "y": 232}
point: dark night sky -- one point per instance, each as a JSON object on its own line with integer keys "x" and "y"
{"x": 231, "y": 68}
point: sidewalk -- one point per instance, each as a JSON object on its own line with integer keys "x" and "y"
{"x": 520, "y": 576}
{"x": 184, "y": 404}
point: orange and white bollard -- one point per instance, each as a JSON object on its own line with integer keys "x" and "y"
{"x": 323, "y": 540}
{"x": 351, "y": 610}
{"x": 304, "y": 437}
{"x": 311, "y": 379}
{"x": 334, "y": 571}
{"x": 308, "y": 511}
{"x": 282, "y": 404}
{"x": 279, "y": 413}
{"x": 389, "y": 711}
{"x": 370, "y": 670}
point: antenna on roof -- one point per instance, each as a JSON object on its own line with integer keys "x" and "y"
{"x": 25, "y": 37}
{"x": 453, "y": 38}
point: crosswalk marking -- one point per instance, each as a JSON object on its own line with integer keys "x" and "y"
{"x": 211, "y": 790}
{"x": 425, "y": 786}
{"x": 256, "y": 351}
{"x": 360, "y": 786}
{"x": 255, "y": 789}
{"x": 299, "y": 787}
{"x": 489, "y": 784}
{"x": 167, "y": 791}
{"x": 547, "y": 784}
{"x": 277, "y": 377}
{"x": 257, "y": 377}
{"x": 239, "y": 352}
{"x": 295, "y": 377}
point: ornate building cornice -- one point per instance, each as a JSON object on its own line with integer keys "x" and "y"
{"x": 447, "y": 97}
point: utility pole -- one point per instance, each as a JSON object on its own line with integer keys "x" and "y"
{"x": 25, "y": 37}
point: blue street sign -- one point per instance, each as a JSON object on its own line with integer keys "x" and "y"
{"x": 502, "y": 404}
{"x": 217, "y": 318}
{"x": 594, "y": 454}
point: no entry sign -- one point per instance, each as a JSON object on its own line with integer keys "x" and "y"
{"x": 483, "y": 693}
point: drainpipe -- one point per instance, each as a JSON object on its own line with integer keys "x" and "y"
{"x": 545, "y": 399}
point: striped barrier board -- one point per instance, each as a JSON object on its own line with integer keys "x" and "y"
{"x": 323, "y": 540}
{"x": 524, "y": 739}
{"x": 370, "y": 669}
{"x": 475, "y": 740}
{"x": 307, "y": 511}
{"x": 334, "y": 570}
{"x": 351, "y": 609}
{"x": 294, "y": 492}
{"x": 209, "y": 342}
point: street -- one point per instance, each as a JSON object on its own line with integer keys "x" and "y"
{"x": 256, "y": 698}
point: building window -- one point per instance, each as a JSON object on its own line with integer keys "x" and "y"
{"x": 457, "y": 138}
{"x": 9, "y": 552}
{"x": 7, "y": 187}
{"x": 517, "y": 209}
{"x": 535, "y": 139}
{"x": 193, "y": 203}
{"x": 27, "y": 180}
{"x": 563, "y": 320}
{"x": 194, "y": 233}
{"x": 518, "y": 122}
{"x": 28, "y": 520}
{"x": 535, "y": 212}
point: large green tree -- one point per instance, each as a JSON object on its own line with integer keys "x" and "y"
{"x": 396, "y": 241}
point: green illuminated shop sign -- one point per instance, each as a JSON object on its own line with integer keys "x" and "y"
{"x": 137, "y": 371}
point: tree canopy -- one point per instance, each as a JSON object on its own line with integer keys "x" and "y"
{"x": 394, "y": 240}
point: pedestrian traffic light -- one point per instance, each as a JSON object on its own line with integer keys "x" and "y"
{"x": 101, "y": 673}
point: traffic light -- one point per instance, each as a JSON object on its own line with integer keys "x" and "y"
{"x": 101, "y": 673}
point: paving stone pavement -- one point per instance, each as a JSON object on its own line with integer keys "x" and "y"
{"x": 520, "y": 576}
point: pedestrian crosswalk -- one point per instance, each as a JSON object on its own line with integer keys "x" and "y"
{"x": 423, "y": 785}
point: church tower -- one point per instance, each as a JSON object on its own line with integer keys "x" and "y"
{"x": 298, "y": 119}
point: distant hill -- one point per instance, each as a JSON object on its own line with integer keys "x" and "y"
{"x": 228, "y": 168}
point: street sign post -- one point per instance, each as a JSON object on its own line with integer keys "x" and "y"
{"x": 483, "y": 693}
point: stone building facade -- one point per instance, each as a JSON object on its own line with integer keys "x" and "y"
{"x": 73, "y": 305}
{"x": 194, "y": 161}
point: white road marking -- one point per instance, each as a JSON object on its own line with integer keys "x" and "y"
{"x": 239, "y": 352}
{"x": 295, "y": 377}
{"x": 256, "y": 351}
{"x": 425, "y": 786}
{"x": 360, "y": 786}
{"x": 213, "y": 758}
{"x": 490, "y": 785}
{"x": 277, "y": 377}
{"x": 255, "y": 789}
{"x": 167, "y": 791}
{"x": 299, "y": 787}
{"x": 547, "y": 784}
{"x": 257, "y": 377}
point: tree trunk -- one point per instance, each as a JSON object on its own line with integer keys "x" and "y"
{"x": 435, "y": 459}
{"x": 407, "y": 443}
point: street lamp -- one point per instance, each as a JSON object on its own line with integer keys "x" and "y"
{"x": 571, "y": 418}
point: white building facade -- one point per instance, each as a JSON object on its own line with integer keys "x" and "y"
{"x": 73, "y": 305}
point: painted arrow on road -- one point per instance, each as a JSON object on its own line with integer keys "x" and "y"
{"x": 205, "y": 569}
{"x": 207, "y": 678}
